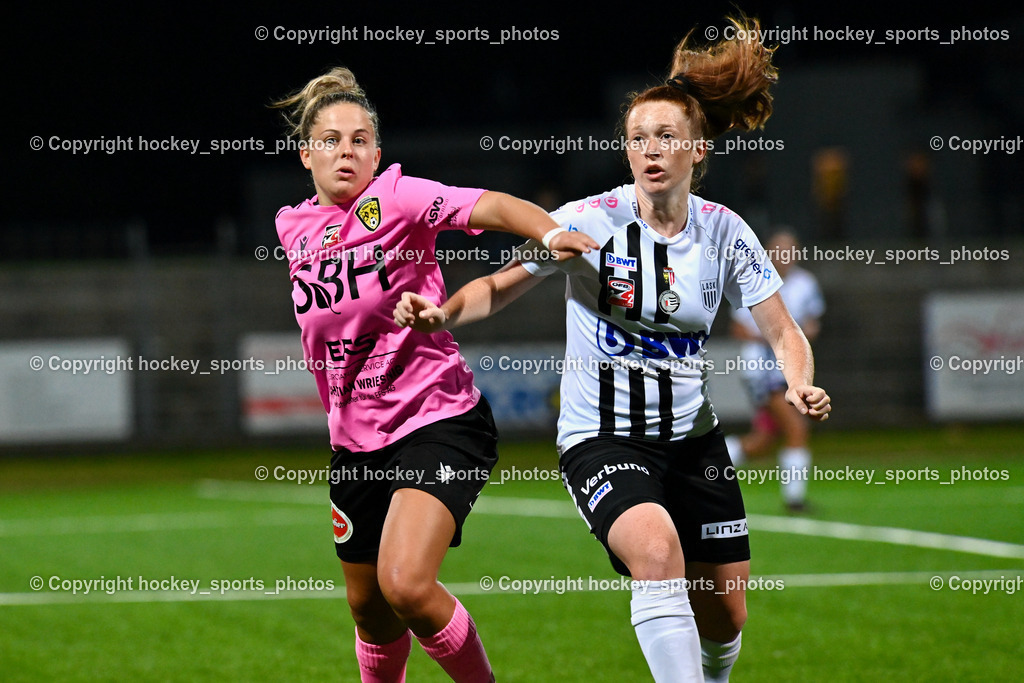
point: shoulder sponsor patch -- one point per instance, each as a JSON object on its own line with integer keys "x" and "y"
{"x": 434, "y": 214}
{"x": 368, "y": 211}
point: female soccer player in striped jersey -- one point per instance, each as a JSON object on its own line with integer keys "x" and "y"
{"x": 641, "y": 453}
{"x": 413, "y": 441}
{"x": 774, "y": 418}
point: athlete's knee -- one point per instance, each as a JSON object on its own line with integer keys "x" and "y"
{"x": 407, "y": 591}
{"x": 737, "y": 618}
{"x": 721, "y": 624}
{"x": 655, "y": 556}
{"x": 364, "y": 602}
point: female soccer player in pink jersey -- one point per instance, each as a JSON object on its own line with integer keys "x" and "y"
{"x": 413, "y": 441}
{"x": 641, "y": 453}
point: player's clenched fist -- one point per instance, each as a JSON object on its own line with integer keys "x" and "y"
{"x": 810, "y": 401}
{"x": 565, "y": 244}
{"x": 419, "y": 313}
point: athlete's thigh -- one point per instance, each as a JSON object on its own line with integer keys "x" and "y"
{"x": 644, "y": 538}
{"x": 610, "y": 478}
{"x": 416, "y": 535}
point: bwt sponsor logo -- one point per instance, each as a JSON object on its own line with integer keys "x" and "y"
{"x": 598, "y": 495}
{"x": 615, "y": 341}
{"x": 624, "y": 262}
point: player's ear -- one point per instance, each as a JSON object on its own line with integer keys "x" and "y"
{"x": 304, "y": 156}
{"x": 376, "y": 159}
{"x": 700, "y": 150}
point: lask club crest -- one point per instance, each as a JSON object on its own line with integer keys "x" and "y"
{"x": 709, "y": 294}
{"x": 368, "y": 211}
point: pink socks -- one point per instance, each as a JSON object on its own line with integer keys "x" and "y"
{"x": 383, "y": 663}
{"x": 457, "y": 648}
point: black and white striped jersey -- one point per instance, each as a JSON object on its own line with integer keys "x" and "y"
{"x": 639, "y": 312}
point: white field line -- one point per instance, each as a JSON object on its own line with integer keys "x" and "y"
{"x": 533, "y": 507}
{"x": 147, "y": 522}
{"x": 494, "y": 505}
{"x": 884, "y": 534}
{"x": 507, "y": 506}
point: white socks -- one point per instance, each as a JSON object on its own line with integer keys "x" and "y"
{"x": 718, "y": 658}
{"x": 664, "y": 624}
{"x": 795, "y": 469}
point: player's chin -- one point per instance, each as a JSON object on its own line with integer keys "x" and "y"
{"x": 653, "y": 187}
{"x": 343, "y": 192}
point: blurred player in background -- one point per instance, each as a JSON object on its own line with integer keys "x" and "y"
{"x": 413, "y": 441}
{"x": 774, "y": 417}
{"x": 639, "y": 443}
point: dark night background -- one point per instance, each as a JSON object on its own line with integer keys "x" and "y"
{"x": 200, "y": 73}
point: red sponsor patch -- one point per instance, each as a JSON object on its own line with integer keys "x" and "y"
{"x": 620, "y": 292}
{"x": 332, "y": 236}
{"x": 342, "y": 525}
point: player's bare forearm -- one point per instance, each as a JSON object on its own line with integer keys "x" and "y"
{"x": 477, "y": 300}
{"x": 500, "y": 211}
{"x": 793, "y": 352}
{"x": 487, "y": 295}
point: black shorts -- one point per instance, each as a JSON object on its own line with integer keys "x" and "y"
{"x": 450, "y": 459}
{"x": 608, "y": 475}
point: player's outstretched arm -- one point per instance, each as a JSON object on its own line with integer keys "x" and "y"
{"x": 477, "y": 300}
{"x": 794, "y": 353}
{"x": 500, "y": 211}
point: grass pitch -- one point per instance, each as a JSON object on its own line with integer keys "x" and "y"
{"x": 916, "y": 580}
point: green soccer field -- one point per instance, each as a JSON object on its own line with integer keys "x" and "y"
{"x": 918, "y": 580}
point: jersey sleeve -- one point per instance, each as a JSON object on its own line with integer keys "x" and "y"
{"x": 750, "y": 275}
{"x": 536, "y": 258}
{"x": 440, "y": 206}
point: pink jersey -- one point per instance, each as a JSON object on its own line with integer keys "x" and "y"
{"x": 350, "y": 264}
